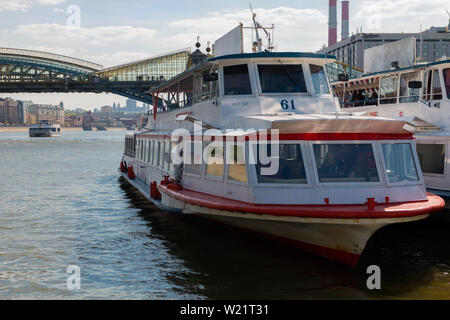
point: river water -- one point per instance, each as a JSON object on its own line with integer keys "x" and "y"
{"x": 62, "y": 204}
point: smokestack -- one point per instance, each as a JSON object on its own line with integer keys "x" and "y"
{"x": 332, "y": 23}
{"x": 345, "y": 19}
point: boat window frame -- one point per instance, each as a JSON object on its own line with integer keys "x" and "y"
{"x": 446, "y": 154}
{"x": 306, "y": 160}
{"x": 306, "y": 74}
{"x": 202, "y": 165}
{"x": 247, "y": 166}
{"x": 376, "y": 148}
{"x": 330, "y": 87}
{"x": 210, "y": 177}
{"x": 222, "y": 80}
{"x": 420, "y": 176}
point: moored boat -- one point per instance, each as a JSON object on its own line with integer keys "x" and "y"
{"x": 257, "y": 144}
{"x": 419, "y": 94}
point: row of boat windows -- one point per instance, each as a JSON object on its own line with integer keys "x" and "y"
{"x": 391, "y": 88}
{"x": 334, "y": 163}
{"x": 155, "y": 152}
{"x": 279, "y": 78}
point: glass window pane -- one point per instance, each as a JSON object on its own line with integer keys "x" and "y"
{"x": 437, "y": 90}
{"x": 319, "y": 79}
{"x": 193, "y": 164}
{"x": 346, "y": 163}
{"x": 161, "y": 155}
{"x": 282, "y": 78}
{"x": 447, "y": 81}
{"x": 407, "y": 94}
{"x": 431, "y": 157}
{"x": 291, "y": 166}
{"x": 388, "y": 90}
{"x": 400, "y": 165}
{"x": 215, "y": 161}
{"x": 237, "y": 170}
{"x": 237, "y": 80}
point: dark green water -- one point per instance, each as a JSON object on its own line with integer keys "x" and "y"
{"x": 62, "y": 203}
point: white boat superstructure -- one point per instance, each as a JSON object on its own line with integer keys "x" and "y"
{"x": 255, "y": 141}
{"x": 45, "y": 129}
{"x": 420, "y": 94}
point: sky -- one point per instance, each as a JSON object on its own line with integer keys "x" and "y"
{"x": 113, "y": 32}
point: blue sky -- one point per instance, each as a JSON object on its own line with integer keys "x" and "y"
{"x": 117, "y": 31}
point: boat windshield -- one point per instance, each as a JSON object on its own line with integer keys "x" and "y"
{"x": 282, "y": 78}
{"x": 400, "y": 164}
{"x": 345, "y": 163}
{"x": 447, "y": 81}
{"x": 319, "y": 79}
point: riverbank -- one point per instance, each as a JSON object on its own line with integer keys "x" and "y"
{"x": 25, "y": 129}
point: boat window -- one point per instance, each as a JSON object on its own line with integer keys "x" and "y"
{"x": 319, "y": 79}
{"x": 437, "y": 90}
{"x": 400, "y": 165}
{"x": 431, "y": 157}
{"x": 215, "y": 161}
{"x": 155, "y": 154}
{"x": 193, "y": 164}
{"x": 406, "y": 94}
{"x": 291, "y": 166}
{"x": 166, "y": 155}
{"x": 237, "y": 170}
{"x": 237, "y": 80}
{"x": 282, "y": 78}
{"x": 53, "y": 129}
{"x": 150, "y": 148}
{"x": 447, "y": 81}
{"x": 161, "y": 154}
{"x": 346, "y": 163}
{"x": 173, "y": 145}
{"x": 388, "y": 90}
{"x": 427, "y": 85}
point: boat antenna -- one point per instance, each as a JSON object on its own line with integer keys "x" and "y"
{"x": 258, "y": 39}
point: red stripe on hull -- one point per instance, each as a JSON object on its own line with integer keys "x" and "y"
{"x": 394, "y": 210}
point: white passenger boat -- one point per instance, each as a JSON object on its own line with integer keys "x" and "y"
{"x": 420, "y": 94}
{"x": 45, "y": 129}
{"x": 257, "y": 144}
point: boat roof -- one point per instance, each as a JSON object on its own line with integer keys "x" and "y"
{"x": 277, "y": 55}
{"x": 391, "y": 71}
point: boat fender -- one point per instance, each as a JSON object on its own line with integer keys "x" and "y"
{"x": 131, "y": 174}
{"x": 122, "y": 167}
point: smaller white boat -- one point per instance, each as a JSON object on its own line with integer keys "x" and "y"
{"x": 45, "y": 129}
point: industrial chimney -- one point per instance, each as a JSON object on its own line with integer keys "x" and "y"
{"x": 332, "y": 23}
{"x": 345, "y": 19}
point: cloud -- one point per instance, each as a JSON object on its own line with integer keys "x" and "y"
{"x": 401, "y": 15}
{"x": 295, "y": 29}
{"x": 25, "y": 5}
{"x": 98, "y": 36}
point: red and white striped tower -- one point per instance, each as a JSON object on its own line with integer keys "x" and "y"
{"x": 332, "y": 23}
{"x": 345, "y": 19}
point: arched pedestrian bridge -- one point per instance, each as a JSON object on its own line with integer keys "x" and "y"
{"x": 28, "y": 71}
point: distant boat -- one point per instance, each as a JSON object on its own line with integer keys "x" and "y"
{"x": 45, "y": 129}
{"x": 101, "y": 128}
{"x": 87, "y": 128}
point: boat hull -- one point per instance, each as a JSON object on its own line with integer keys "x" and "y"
{"x": 339, "y": 240}
{"x": 342, "y": 240}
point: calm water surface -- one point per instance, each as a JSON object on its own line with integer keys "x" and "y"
{"x": 62, "y": 203}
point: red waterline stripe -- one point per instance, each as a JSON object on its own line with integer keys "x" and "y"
{"x": 392, "y": 210}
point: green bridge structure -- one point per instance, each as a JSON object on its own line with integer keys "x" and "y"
{"x": 29, "y": 71}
